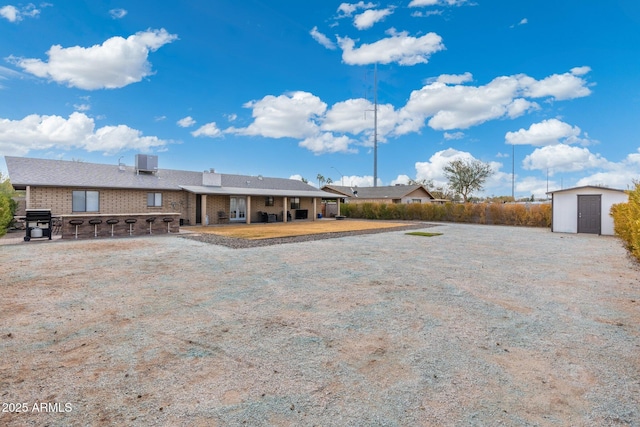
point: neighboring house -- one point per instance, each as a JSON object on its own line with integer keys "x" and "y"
{"x": 71, "y": 187}
{"x": 584, "y": 209}
{"x": 387, "y": 194}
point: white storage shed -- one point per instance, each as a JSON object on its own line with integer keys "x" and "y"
{"x": 584, "y": 209}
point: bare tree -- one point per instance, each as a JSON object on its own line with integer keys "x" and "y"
{"x": 467, "y": 176}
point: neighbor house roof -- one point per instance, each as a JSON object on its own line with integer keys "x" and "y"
{"x": 384, "y": 192}
{"x": 585, "y": 187}
{"x": 24, "y": 171}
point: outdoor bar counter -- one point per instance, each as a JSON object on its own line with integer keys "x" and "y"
{"x": 84, "y": 226}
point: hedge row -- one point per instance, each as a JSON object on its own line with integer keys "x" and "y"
{"x": 626, "y": 221}
{"x": 535, "y": 215}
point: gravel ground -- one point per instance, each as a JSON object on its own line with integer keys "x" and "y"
{"x": 480, "y": 326}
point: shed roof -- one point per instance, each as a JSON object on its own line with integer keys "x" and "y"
{"x": 585, "y": 187}
{"x": 383, "y": 192}
{"x": 24, "y": 171}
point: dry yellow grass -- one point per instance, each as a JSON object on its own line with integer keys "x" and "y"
{"x": 290, "y": 229}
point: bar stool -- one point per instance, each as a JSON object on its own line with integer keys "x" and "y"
{"x": 150, "y": 221}
{"x": 76, "y": 222}
{"x": 168, "y": 221}
{"x": 112, "y": 222}
{"x": 95, "y": 223}
{"x": 130, "y": 221}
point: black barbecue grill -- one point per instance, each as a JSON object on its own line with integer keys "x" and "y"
{"x": 38, "y": 223}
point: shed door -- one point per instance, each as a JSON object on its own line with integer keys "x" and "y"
{"x": 589, "y": 213}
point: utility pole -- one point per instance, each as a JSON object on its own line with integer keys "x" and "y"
{"x": 513, "y": 172}
{"x": 375, "y": 125}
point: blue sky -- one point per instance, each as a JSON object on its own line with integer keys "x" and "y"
{"x": 286, "y": 88}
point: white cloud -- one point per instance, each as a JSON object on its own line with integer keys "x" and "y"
{"x": 327, "y": 143}
{"x": 559, "y": 86}
{"x": 457, "y": 106}
{"x": 357, "y": 181}
{"x": 117, "y": 13}
{"x": 34, "y": 132}
{"x": 186, "y": 122}
{"x": 322, "y": 39}
{"x": 13, "y": 14}
{"x": 455, "y": 78}
{"x": 423, "y": 3}
{"x": 398, "y": 47}
{"x": 453, "y": 135}
{"x": 523, "y": 21}
{"x": 369, "y": 18}
{"x": 355, "y": 116}
{"x": 563, "y": 158}
{"x": 81, "y": 107}
{"x": 620, "y": 179}
{"x": 421, "y": 14}
{"x": 401, "y": 179}
{"x": 10, "y": 13}
{"x": 116, "y": 63}
{"x": 210, "y": 130}
{"x": 347, "y": 9}
{"x": 293, "y": 115}
{"x": 619, "y": 175}
{"x": 547, "y": 132}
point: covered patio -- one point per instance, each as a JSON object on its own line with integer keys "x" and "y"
{"x": 217, "y": 205}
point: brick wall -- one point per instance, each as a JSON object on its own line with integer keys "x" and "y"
{"x": 112, "y": 201}
{"x": 214, "y": 205}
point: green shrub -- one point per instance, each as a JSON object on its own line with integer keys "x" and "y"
{"x": 475, "y": 213}
{"x": 626, "y": 221}
{"x": 7, "y": 209}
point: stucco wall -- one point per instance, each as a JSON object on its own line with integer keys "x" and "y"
{"x": 565, "y": 208}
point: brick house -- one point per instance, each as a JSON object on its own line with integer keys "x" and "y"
{"x": 70, "y": 188}
{"x": 384, "y": 194}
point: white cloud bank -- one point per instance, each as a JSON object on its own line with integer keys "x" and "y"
{"x": 447, "y": 103}
{"x": 34, "y": 132}
{"x": 115, "y": 63}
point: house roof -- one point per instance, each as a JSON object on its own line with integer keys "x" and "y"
{"x": 595, "y": 187}
{"x": 384, "y": 192}
{"x": 24, "y": 171}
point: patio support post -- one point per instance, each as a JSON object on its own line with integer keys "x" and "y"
{"x": 314, "y": 208}
{"x": 203, "y": 210}
{"x": 28, "y": 197}
{"x": 248, "y": 221}
{"x": 338, "y": 200}
{"x": 284, "y": 211}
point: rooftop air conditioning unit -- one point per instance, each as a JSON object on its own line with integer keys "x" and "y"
{"x": 146, "y": 163}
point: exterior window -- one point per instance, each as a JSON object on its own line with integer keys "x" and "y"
{"x": 154, "y": 199}
{"x": 295, "y": 203}
{"x": 416, "y": 200}
{"x": 268, "y": 201}
{"x": 86, "y": 201}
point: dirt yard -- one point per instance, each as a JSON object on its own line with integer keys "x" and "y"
{"x": 481, "y": 325}
{"x": 291, "y": 229}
